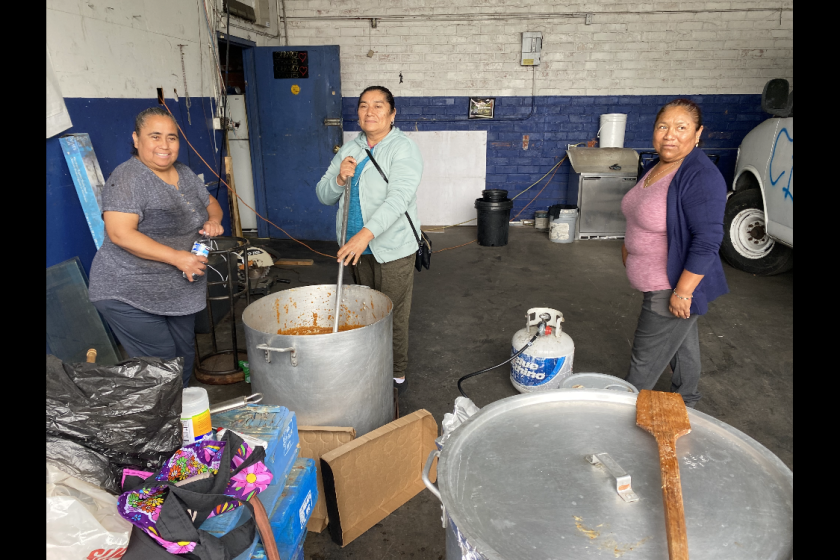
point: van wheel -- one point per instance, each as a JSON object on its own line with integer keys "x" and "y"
{"x": 746, "y": 245}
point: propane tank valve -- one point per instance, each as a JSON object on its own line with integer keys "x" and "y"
{"x": 544, "y": 319}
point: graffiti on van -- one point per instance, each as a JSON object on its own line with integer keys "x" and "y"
{"x": 781, "y": 163}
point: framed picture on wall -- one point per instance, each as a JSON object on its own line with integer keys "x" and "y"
{"x": 482, "y": 107}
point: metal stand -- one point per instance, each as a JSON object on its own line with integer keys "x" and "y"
{"x": 227, "y": 246}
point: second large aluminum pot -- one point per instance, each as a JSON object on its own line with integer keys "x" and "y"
{"x": 519, "y": 482}
{"x": 335, "y": 379}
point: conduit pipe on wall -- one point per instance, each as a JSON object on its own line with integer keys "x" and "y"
{"x": 530, "y": 15}
{"x": 285, "y": 23}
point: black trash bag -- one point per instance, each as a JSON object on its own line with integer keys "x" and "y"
{"x": 102, "y": 419}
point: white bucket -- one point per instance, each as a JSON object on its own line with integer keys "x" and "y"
{"x": 195, "y": 415}
{"x": 562, "y": 229}
{"x": 611, "y": 133}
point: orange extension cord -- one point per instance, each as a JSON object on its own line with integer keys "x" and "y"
{"x": 237, "y": 196}
{"x": 542, "y": 189}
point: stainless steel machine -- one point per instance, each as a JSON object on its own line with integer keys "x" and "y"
{"x": 602, "y": 176}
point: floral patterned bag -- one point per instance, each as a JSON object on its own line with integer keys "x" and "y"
{"x": 199, "y": 481}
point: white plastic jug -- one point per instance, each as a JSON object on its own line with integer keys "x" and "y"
{"x": 611, "y": 133}
{"x": 195, "y": 415}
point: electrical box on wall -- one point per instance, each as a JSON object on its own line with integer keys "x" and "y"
{"x": 531, "y": 48}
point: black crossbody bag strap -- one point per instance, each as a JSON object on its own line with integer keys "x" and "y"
{"x": 376, "y": 165}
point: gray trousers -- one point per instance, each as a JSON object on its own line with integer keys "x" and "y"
{"x": 661, "y": 340}
{"x": 395, "y": 279}
{"x": 145, "y": 334}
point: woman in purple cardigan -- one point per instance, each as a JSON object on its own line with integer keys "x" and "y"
{"x": 674, "y": 231}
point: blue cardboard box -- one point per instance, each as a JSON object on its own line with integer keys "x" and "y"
{"x": 295, "y": 553}
{"x": 290, "y": 515}
{"x": 221, "y": 525}
{"x": 277, "y": 426}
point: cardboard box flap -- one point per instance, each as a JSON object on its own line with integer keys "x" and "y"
{"x": 367, "y": 479}
{"x": 315, "y": 441}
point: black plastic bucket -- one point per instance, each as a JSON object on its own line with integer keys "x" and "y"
{"x": 493, "y": 222}
{"x": 494, "y": 195}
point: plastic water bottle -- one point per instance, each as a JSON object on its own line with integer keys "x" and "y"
{"x": 201, "y": 249}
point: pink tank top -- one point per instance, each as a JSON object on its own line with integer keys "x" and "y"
{"x": 646, "y": 238}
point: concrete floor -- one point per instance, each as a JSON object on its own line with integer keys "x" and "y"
{"x": 467, "y": 307}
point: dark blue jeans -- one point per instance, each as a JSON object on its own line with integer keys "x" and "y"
{"x": 145, "y": 334}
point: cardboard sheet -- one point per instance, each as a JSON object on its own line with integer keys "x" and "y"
{"x": 315, "y": 441}
{"x": 367, "y": 479}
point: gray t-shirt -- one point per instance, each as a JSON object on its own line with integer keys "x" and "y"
{"x": 169, "y": 216}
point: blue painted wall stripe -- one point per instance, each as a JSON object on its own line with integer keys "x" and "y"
{"x": 555, "y": 122}
{"x": 560, "y": 120}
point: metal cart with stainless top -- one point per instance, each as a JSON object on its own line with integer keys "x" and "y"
{"x": 602, "y": 177}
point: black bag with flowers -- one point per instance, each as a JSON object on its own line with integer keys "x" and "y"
{"x": 199, "y": 481}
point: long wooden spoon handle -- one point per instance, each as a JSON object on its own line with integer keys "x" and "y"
{"x": 672, "y": 500}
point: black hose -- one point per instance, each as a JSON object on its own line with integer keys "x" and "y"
{"x": 473, "y": 374}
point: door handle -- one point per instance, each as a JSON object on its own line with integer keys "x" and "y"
{"x": 332, "y": 122}
{"x": 336, "y": 148}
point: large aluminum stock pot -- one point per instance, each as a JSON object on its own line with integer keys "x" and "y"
{"x": 335, "y": 379}
{"x": 568, "y": 474}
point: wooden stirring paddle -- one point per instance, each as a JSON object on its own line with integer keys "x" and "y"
{"x": 664, "y": 415}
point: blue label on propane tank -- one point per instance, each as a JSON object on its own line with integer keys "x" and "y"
{"x": 531, "y": 371}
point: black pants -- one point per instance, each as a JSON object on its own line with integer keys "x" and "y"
{"x": 145, "y": 334}
{"x": 395, "y": 279}
{"x": 661, "y": 340}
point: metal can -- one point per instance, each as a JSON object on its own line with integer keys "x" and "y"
{"x": 541, "y": 220}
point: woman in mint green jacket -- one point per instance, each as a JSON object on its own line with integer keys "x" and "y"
{"x": 381, "y": 244}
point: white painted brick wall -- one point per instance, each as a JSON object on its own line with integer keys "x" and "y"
{"x": 441, "y": 47}
{"x": 618, "y": 54}
{"x": 127, "y": 49}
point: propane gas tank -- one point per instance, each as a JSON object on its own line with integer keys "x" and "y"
{"x": 549, "y": 360}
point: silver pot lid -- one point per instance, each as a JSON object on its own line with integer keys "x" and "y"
{"x": 516, "y": 480}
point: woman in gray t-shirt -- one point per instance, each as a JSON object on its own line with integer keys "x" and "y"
{"x": 154, "y": 208}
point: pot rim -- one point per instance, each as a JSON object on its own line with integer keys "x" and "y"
{"x": 346, "y": 288}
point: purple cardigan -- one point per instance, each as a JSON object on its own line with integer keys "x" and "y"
{"x": 696, "y": 201}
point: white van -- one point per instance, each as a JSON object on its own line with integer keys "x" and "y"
{"x": 758, "y": 222}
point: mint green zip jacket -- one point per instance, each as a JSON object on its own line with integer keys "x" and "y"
{"x": 383, "y": 204}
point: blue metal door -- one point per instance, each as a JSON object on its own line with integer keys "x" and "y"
{"x": 298, "y": 126}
